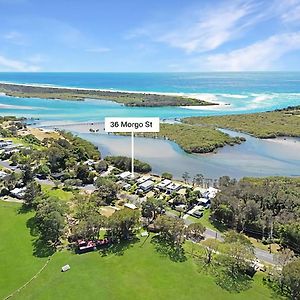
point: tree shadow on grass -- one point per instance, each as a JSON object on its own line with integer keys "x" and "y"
{"x": 41, "y": 247}
{"x": 118, "y": 248}
{"x": 165, "y": 248}
{"x": 24, "y": 209}
{"x": 227, "y": 281}
{"x": 233, "y": 283}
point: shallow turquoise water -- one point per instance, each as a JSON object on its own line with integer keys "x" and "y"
{"x": 245, "y": 92}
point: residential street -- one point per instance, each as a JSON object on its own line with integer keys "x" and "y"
{"x": 262, "y": 255}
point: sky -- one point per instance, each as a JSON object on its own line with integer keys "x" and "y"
{"x": 149, "y": 36}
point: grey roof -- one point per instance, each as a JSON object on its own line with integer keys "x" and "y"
{"x": 146, "y": 184}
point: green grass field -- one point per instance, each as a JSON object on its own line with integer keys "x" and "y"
{"x": 57, "y": 192}
{"x": 17, "y": 263}
{"x": 139, "y": 273}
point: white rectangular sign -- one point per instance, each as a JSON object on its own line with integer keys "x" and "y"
{"x": 131, "y": 124}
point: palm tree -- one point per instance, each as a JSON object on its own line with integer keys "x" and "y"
{"x": 199, "y": 179}
{"x": 186, "y": 176}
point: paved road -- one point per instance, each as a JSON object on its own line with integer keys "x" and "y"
{"x": 262, "y": 255}
{"x": 5, "y": 164}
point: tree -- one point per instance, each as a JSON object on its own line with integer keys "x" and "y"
{"x": 291, "y": 278}
{"x": 33, "y": 191}
{"x": 186, "y": 176}
{"x": 172, "y": 229}
{"x": 124, "y": 163}
{"x": 199, "y": 179}
{"x": 284, "y": 257}
{"x": 101, "y": 166}
{"x": 224, "y": 181}
{"x": 122, "y": 224}
{"x": 50, "y": 219}
{"x": 11, "y": 180}
{"x": 27, "y": 174}
{"x": 195, "y": 231}
{"x": 106, "y": 190}
{"x": 84, "y": 206}
{"x": 83, "y": 173}
{"x": 238, "y": 253}
{"x": 211, "y": 246}
{"x": 151, "y": 208}
{"x": 56, "y": 158}
{"x": 167, "y": 175}
{"x": 43, "y": 170}
{"x": 89, "y": 227}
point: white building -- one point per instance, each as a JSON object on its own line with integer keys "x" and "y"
{"x": 163, "y": 184}
{"x": 3, "y": 174}
{"x": 147, "y": 186}
{"x": 18, "y": 192}
{"x": 130, "y": 206}
{"x": 143, "y": 179}
{"x": 173, "y": 187}
{"x": 124, "y": 175}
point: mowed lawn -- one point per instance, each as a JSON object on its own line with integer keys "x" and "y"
{"x": 17, "y": 263}
{"x": 57, "y": 192}
{"x": 139, "y": 273}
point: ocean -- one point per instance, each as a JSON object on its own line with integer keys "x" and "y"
{"x": 243, "y": 92}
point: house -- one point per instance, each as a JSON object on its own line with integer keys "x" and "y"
{"x": 163, "y": 184}
{"x": 4, "y": 143}
{"x": 143, "y": 179}
{"x": 124, "y": 175}
{"x": 3, "y": 174}
{"x": 204, "y": 202}
{"x": 130, "y": 206}
{"x": 18, "y": 192}
{"x": 146, "y": 186}
{"x": 126, "y": 186}
{"x": 89, "y": 162}
{"x": 173, "y": 187}
{"x": 210, "y": 193}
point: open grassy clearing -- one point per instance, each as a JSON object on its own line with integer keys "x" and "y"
{"x": 57, "y": 192}
{"x": 137, "y": 271}
{"x": 17, "y": 262}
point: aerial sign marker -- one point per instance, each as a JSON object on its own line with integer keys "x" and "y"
{"x": 118, "y": 124}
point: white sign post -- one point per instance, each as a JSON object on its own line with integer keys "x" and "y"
{"x": 132, "y": 125}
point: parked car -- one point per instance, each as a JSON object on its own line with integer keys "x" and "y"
{"x": 181, "y": 207}
{"x": 197, "y": 214}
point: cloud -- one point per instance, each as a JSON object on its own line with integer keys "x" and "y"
{"x": 259, "y": 56}
{"x": 290, "y": 11}
{"x": 213, "y": 28}
{"x": 15, "y": 37}
{"x": 98, "y": 50}
{"x": 207, "y": 28}
{"x": 7, "y": 64}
